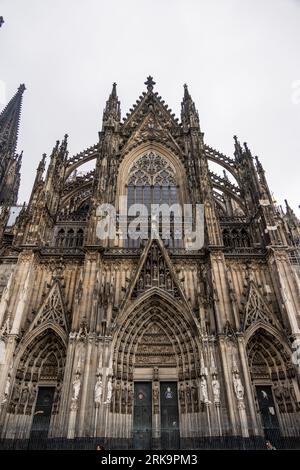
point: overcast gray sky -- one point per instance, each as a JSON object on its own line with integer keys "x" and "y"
{"x": 240, "y": 58}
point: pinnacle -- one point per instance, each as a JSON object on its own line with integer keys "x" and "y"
{"x": 21, "y": 88}
{"x": 186, "y": 92}
{"x": 114, "y": 90}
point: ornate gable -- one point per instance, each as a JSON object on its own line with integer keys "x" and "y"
{"x": 155, "y": 271}
{"x": 52, "y": 309}
{"x": 152, "y": 128}
{"x": 150, "y": 119}
{"x": 256, "y": 309}
{"x": 150, "y": 101}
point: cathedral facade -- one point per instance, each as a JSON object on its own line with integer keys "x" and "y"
{"x": 144, "y": 342}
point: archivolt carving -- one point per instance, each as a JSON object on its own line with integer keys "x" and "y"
{"x": 42, "y": 362}
{"x": 269, "y": 361}
{"x": 155, "y": 333}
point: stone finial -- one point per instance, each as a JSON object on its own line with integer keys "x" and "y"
{"x": 150, "y": 83}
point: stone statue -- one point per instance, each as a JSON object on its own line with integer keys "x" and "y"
{"x": 5, "y": 327}
{"x": 7, "y": 389}
{"x": 76, "y": 387}
{"x": 109, "y": 392}
{"x": 238, "y": 386}
{"x": 24, "y": 395}
{"x": 155, "y": 393}
{"x": 98, "y": 391}
{"x": 216, "y": 389}
{"x": 204, "y": 392}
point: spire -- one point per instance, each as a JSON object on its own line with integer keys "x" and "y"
{"x": 112, "y": 111}
{"x": 186, "y": 95}
{"x": 58, "y": 158}
{"x": 189, "y": 113}
{"x": 40, "y": 169}
{"x": 247, "y": 151}
{"x": 260, "y": 170}
{"x": 290, "y": 213}
{"x": 9, "y": 123}
{"x": 238, "y": 151}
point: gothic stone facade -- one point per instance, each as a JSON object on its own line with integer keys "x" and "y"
{"x": 145, "y": 341}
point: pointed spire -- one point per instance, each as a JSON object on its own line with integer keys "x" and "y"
{"x": 225, "y": 175}
{"x": 189, "y": 113}
{"x": 63, "y": 153}
{"x": 247, "y": 151}
{"x": 40, "y": 170}
{"x": 260, "y": 170}
{"x": 238, "y": 151}
{"x": 186, "y": 94}
{"x": 9, "y": 123}
{"x": 112, "y": 111}
{"x": 289, "y": 210}
{"x": 114, "y": 91}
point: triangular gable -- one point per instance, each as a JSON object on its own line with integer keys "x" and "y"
{"x": 52, "y": 309}
{"x": 155, "y": 270}
{"x": 151, "y": 127}
{"x": 149, "y": 102}
{"x": 256, "y": 309}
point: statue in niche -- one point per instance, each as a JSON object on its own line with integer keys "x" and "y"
{"x": 24, "y": 395}
{"x": 203, "y": 388}
{"x": 76, "y": 387}
{"x": 109, "y": 392}
{"x": 141, "y": 283}
{"x": 188, "y": 393}
{"x": 16, "y": 393}
{"x": 6, "y": 389}
{"x": 181, "y": 394}
{"x": 98, "y": 390}
{"x": 117, "y": 393}
{"x": 216, "y": 389}
{"x": 148, "y": 279}
{"x": 195, "y": 394}
{"x": 79, "y": 291}
{"x": 129, "y": 396}
{"x": 155, "y": 392}
{"x": 238, "y": 386}
{"x": 32, "y": 394}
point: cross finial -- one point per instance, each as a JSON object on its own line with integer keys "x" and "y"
{"x": 149, "y": 83}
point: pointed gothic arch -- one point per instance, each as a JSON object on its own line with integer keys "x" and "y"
{"x": 157, "y": 309}
{"x": 40, "y": 361}
{"x": 273, "y": 379}
{"x": 128, "y": 160}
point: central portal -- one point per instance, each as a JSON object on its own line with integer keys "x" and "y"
{"x": 143, "y": 417}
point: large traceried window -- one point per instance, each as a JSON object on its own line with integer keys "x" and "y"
{"x": 152, "y": 180}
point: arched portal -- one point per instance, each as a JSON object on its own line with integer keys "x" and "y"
{"x": 38, "y": 380}
{"x": 156, "y": 368}
{"x": 275, "y": 387}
